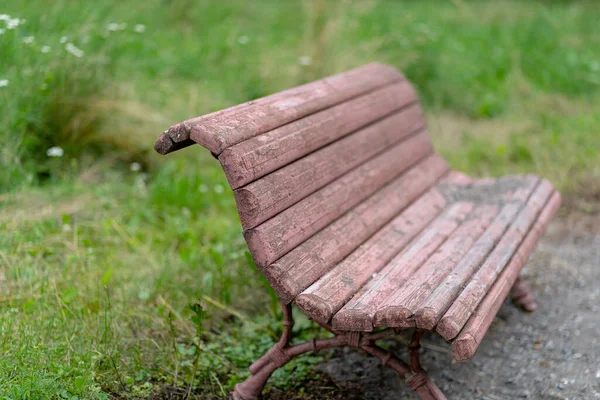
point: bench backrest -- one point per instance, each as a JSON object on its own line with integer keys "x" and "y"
{"x": 319, "y": 168}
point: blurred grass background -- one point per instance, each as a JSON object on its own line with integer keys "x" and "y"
{"x": 104, "y": 248}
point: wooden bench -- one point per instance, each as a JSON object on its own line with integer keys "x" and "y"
{"x": 351, "y": 216}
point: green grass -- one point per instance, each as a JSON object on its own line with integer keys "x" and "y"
{"x": 98, "y": 289}
{"x": 99, "y": 264}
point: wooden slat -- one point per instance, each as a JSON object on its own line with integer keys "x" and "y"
{"x": 260, "y": 155}
{"x": 326, "y": 296}
{"x": 397, "y": 310}
{"x": 267, "y": 196}
{"x": 434, "y": 307}
{"x": 302, "y": 266}
{"x": 360, "y": 312}
{"x": 429, "y": 313}
{"x": 530, "y": 182}
{"x": 224, "y": 128}
{"x": 465, "y": 346}
{"x": 460, "y": 311}
{"x": 256, "y": 202}
{"x": 460, "y": 179}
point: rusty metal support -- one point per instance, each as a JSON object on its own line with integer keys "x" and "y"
{"x": 415, "y": 376}
{"x": 413, "y": 351}
{"x": 281, "y": 353}
{"x": 522, "y": 297}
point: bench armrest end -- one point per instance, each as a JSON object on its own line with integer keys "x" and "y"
{"x": 175, "y": 138}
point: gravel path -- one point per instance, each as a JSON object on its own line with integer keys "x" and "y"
{"x": 551, "y": 354}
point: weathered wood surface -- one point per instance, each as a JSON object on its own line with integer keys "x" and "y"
{"x": 460, "y": 178}
{"x": 398, "y": 309}
{"x": 462, "y": 308}
{"x": 257, "y": 203}
{"x": 260, "y": 155}
{"x": 326, "y": 296}
{"x": 429, "y": 313}
{"x": 302, "y": 266}
{"x": 468, "y": 341}
{"x": 224, "y": 128}
{"x": 360, "y": 312}
{"x": 267, "y": 196}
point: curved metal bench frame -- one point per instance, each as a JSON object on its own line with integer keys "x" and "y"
{"x": 414, "y": 375}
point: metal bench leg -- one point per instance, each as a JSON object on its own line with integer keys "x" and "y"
{"x": 264, "y": 367}
{"x": 426, "y": 389}
{"x": 415, "y": 375}
{"x": 522, "y": 297}
{"x": 280, "y": 354}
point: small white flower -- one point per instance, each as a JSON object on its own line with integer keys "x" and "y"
{"x": 218, "y": 189}
{"x": 203, "y": 188}
{"x": 45, "y": 49}
{"x": 135, "y": 166}
{"x": 55, "y": 152}
{"x": 63, "y": 39}
{"x": 28, "y": 39}
{"x": 113, "y": 27}
{"x": 3, "y": 82}
{"x": 12, "y": 23}
{"x": 305, "y": 60}
{"x": 4, "y": 17}
{"x": 14, "y": 310}
{"x": 2, "y": 30}
{"x": 139, "y": 28}
{"x": 243, "y": 39}
{"x": 76, "y": 51}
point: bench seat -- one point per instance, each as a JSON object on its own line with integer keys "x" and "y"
{"x": 352, "y": 216}
{"x": 435, "y": 262}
